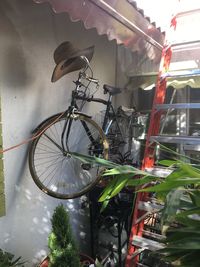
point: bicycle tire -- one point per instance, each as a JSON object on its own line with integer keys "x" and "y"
{"x": 56, "y": 174}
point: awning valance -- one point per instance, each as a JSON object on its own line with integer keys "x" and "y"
{"x": 118, "y": 19}
{"x": 148, "y": 81}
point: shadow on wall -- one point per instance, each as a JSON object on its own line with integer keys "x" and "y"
{"x": 14, "y": 72}
{"x": 37, "y": 222}
{"x": 13, "y": 66}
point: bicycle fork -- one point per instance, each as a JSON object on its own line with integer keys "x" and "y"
{"x": 71, "y": 114}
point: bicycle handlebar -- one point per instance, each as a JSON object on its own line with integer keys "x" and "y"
{"x": 90, "y": 79}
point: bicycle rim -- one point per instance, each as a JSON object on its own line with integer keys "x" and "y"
{"x": 56, "y": 172}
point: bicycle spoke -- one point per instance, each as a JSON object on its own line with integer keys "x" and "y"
{"x": 59, "y": 147}
{"x": 56, "y": 173}
{"x": 47, "y": 168}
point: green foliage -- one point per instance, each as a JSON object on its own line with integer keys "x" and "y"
{"x": 7, "y": 259}
{"x": 122, "y": 175}
{"x": 180, "y": 194}
{"x": 63, "y": 250}
{"x": 98, "y": 264}
{"x": 181, "y": 214}
{"x": 93, "y": 160}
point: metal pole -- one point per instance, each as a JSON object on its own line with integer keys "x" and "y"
{"x": 123, "y": 20}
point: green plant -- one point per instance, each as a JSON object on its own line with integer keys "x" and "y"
{"x": 180, "y": 194}
{"x": 98, "y": 264}
{"x": 121, "y": 176}
{"x": 63, "y": 250}
{"x": 8, "y": 259}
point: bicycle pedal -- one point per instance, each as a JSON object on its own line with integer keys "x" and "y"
{"x": 86, "y": 166}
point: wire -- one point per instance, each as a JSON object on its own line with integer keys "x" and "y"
{"x": 33, "y": 137}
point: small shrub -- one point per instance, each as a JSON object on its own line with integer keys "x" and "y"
{"x": 63, "y": 249}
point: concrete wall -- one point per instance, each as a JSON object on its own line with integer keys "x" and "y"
{"x": 29, "y": 34}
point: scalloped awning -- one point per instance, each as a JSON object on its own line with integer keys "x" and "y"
{"x": 118, "y": 19}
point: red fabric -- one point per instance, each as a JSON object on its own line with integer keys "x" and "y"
{"x": 173, "y": 22}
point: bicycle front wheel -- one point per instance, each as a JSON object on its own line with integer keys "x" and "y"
{"x": 52, "y": 168}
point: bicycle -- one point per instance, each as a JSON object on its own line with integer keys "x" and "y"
{"x": 54, "y": 170}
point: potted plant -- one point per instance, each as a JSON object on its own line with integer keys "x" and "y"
{"x": 63, "y": 251}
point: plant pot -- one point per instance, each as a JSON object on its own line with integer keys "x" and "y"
{"x": 44, "y": 263}
{"x": 85, "y": 260}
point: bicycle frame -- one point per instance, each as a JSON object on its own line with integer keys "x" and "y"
{"x": 74, "y": 109}
{"x": 109, "y": 108}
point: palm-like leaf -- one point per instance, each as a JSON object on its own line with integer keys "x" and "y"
{"x": 181, "y": 195}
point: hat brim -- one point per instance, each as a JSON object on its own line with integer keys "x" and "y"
{"x": 73, "y": 63}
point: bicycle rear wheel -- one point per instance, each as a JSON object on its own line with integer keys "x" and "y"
{"x": 52, "y": 168}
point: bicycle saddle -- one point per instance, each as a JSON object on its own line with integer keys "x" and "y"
{"x": 111, "y": 90}
{"x": 68, "y": 59}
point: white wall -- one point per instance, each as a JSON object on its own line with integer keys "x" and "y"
{"x": 29, "y": 34}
